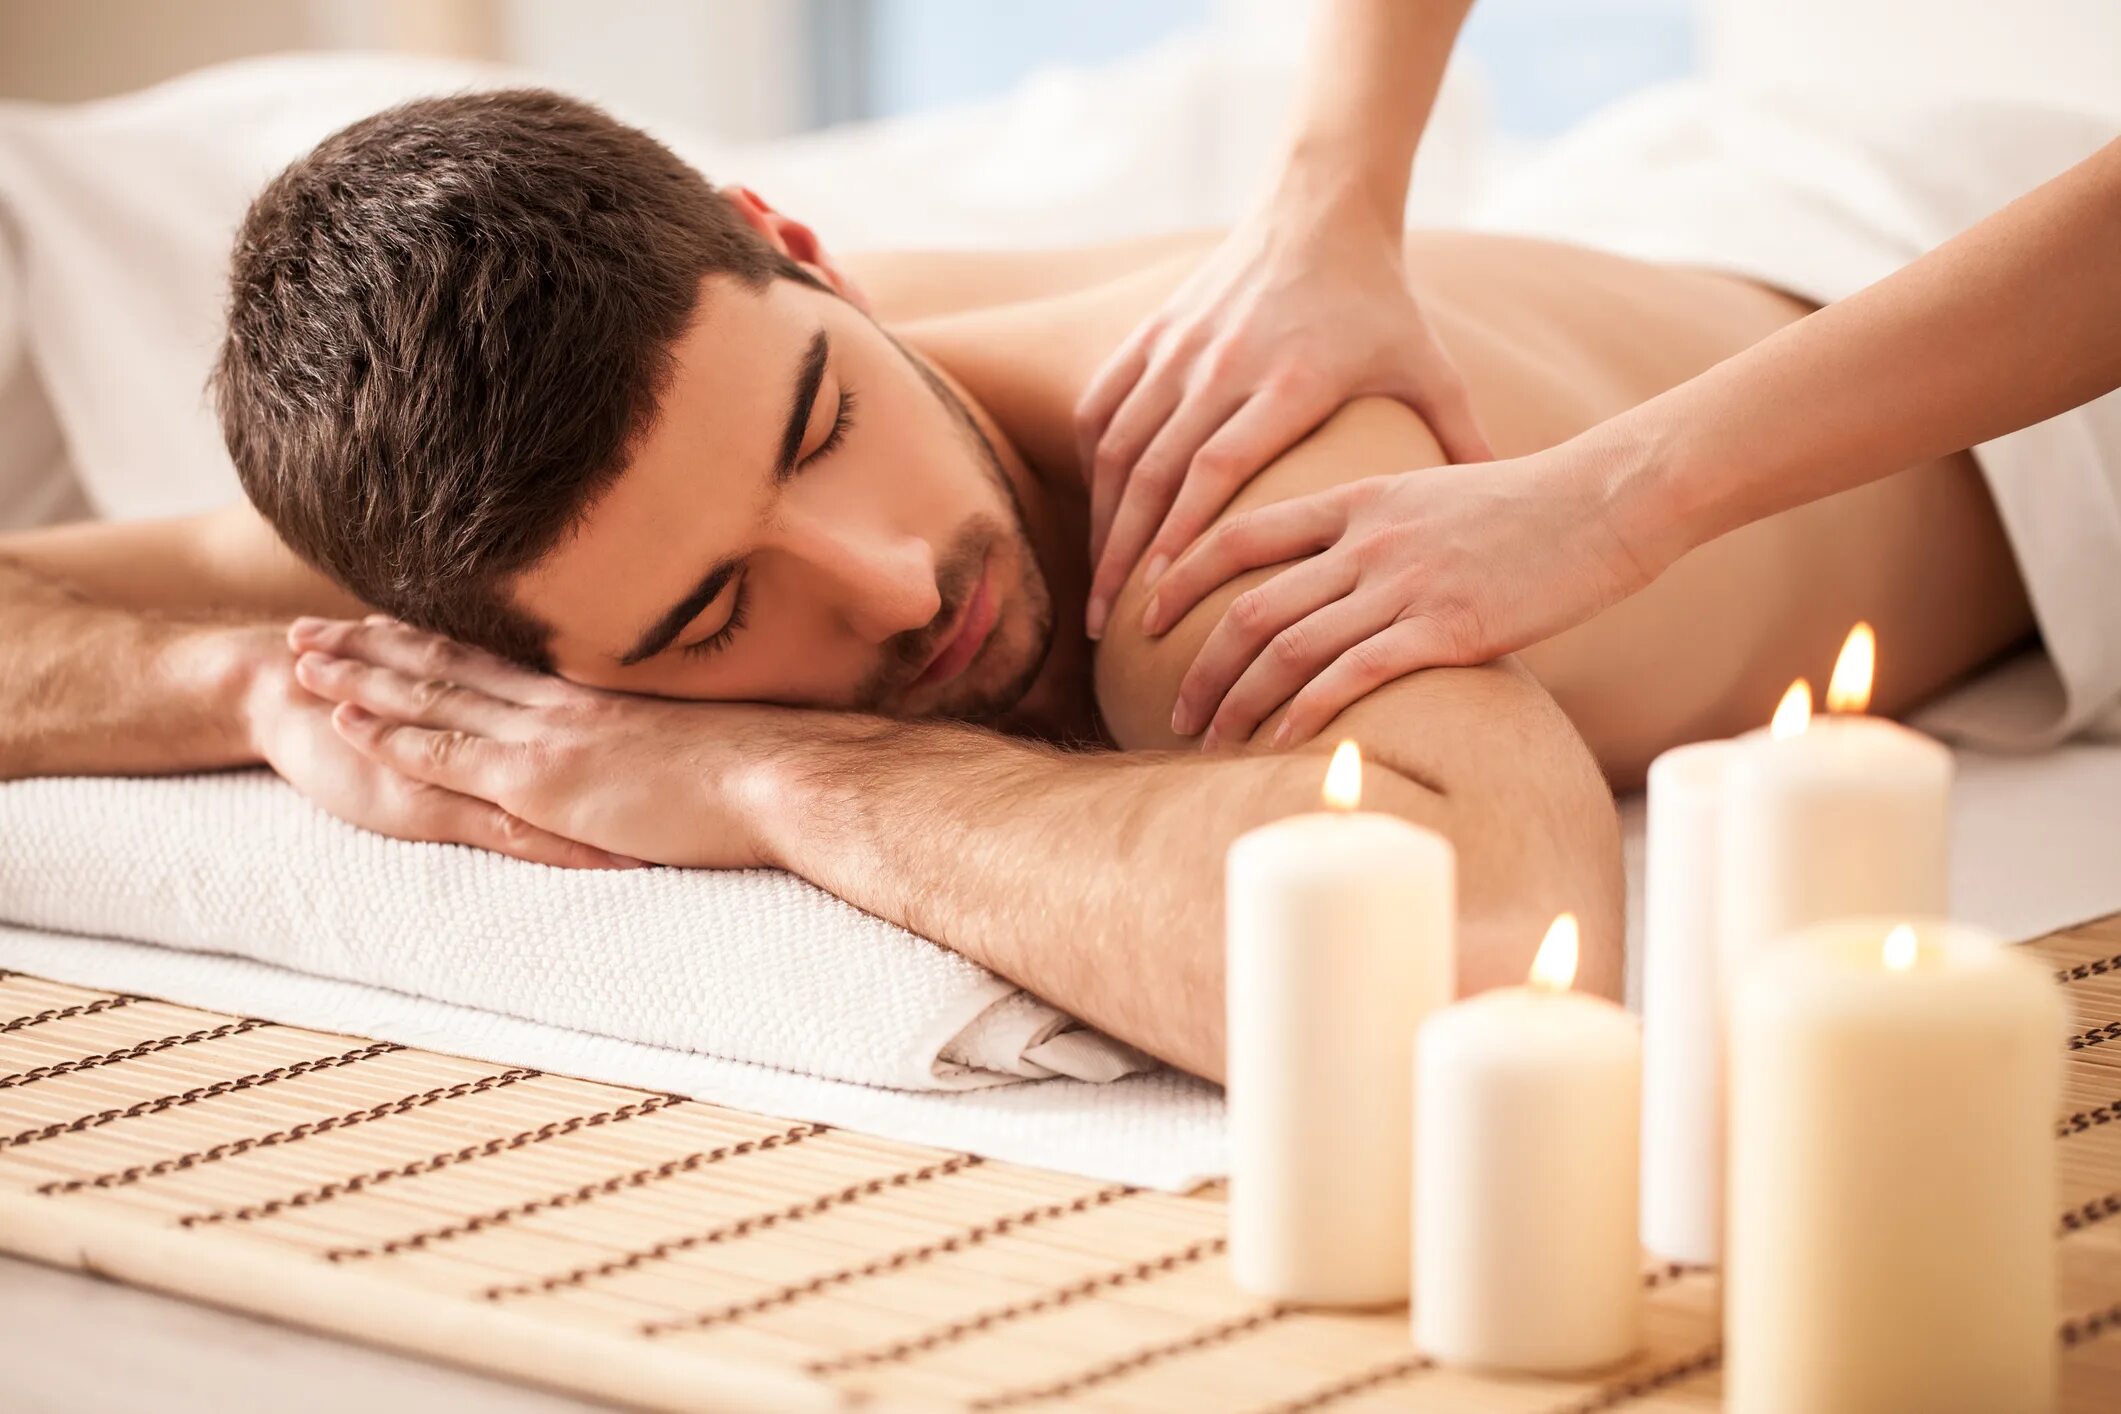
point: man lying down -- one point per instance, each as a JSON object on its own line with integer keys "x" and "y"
{"x": 702, "y": 549}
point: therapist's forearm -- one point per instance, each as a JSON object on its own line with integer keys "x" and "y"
{"x": 1370, "y": 79}
{"x": 2010, "y": 323}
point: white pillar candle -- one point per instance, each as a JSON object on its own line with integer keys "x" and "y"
{"x": 1526, "y": 1132}
{"x": 1824, "y": 819}
{"x": 1682, "y": 1029}
{"x": 1341, "y": 934}
{"x": 1893, "y": 1093}
{"x": 1748, "y": 840}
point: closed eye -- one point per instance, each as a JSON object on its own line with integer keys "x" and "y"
{"x": 719, "y": 639}
{"x": 842, "y": 421}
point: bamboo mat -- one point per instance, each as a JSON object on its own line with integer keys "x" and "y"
{"x": 656, "y": 1251}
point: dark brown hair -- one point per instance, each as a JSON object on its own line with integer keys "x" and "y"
{"x": 448, "y": 325}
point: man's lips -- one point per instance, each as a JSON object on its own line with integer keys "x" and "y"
{"x": 975, "y": 622}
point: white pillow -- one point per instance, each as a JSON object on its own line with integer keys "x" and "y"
{"x": 36, "y": 485}
{"x": 124, "y": 211}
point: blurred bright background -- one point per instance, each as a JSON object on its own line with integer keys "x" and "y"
{"x": 1029, "y": 122}
{"x": 765, "y": 68}
{"x": 745, "y": 70}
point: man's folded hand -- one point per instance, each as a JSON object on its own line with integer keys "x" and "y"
{"x": 645, "y": 778}
{"x": 291, "y": 729}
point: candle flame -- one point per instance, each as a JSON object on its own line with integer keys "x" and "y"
{"x": 1900, "y": 948}
{"x": 1554, "y": 968}
{"x": 1344, "y": 777}
{"x": 1849, "y": 690}
{"x": 1795, "y": 713}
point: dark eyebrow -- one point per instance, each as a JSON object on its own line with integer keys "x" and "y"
{"x": 809, "y": 376}
{"x": 804, "y": 397}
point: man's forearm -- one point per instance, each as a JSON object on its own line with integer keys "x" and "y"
{"x": 1093, "y": 880}
{"x": 85, "y": 688}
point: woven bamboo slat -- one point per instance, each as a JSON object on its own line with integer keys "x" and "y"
{"x": 656, "y": 1251}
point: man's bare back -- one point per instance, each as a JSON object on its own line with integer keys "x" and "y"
{"x": 1551, "y": 339}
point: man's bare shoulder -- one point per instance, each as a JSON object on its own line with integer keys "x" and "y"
{"x": 1491, "y": 755}
{"x": 1137, "y": 676}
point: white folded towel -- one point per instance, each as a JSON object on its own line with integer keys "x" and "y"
{"x": 751, "y": 965}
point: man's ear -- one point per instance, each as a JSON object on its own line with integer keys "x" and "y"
{"x": 795, "y": 240}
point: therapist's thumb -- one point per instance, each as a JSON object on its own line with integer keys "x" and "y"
{"x": 1438, "y": 393}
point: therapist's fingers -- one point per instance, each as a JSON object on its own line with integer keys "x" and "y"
{"x": 1106, "y": 477}
{"x": 427, "y": 702}
{"x": 1156, "y": 481}
{"x": 1255, "y": 619}
{"x": 1438, "y": 392}
{"x": 1264, "y": 535}
{"x": 1141, "y": 415}
{"x": 1291, "y": 659}
{"x": 388, "y": 643}
{"x": 1270, "y": 422}
{"x": 1406, "y": 646}
{"x": 1108, "y": 388}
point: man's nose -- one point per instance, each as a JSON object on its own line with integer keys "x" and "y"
{"x": 882, "y": 581}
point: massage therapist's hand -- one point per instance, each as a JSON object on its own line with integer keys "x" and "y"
{"x": 1444, "y": 566}
{"x": 291, "y": 730}
{"x": 657, "y": 780}
{"x": 1302, "y": 308}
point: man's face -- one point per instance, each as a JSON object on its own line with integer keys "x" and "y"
{"x": 803, "y": 466}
